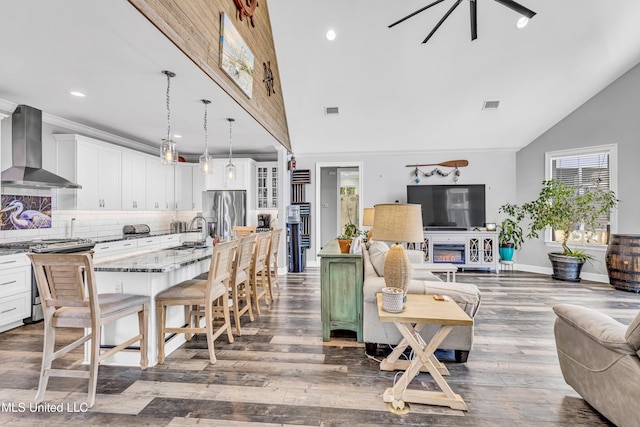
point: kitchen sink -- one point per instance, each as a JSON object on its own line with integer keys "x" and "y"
{"x": 190, "y": 245}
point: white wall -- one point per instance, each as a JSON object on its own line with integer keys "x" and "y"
{"x": 385, "y": 177}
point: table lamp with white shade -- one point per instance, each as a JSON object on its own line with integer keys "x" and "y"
{"x": 367, "y": 220}
{"x": 399, "y": 223}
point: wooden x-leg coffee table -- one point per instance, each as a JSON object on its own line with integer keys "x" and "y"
{"x": 419, "y": 311}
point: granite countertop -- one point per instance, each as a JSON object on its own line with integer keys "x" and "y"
{"x": 160, "y": 261}
{"x": 114, "y": 238}
{"x": 117, "y": 237}
{"x": 97, "y": 240}
{"x": 4, "y": 252}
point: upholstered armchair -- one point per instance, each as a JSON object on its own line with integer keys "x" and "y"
{"x": 599, "y": 358}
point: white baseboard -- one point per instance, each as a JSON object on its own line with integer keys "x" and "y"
{"x": 594, "y": 277}
{"x": 285, "y": 270}
{"x": 533, "y": 268}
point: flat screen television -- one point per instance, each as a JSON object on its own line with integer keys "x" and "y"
{"x": 450, "y": 207}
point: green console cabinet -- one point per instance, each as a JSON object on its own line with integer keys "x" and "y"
{"x": 341, "y": 277}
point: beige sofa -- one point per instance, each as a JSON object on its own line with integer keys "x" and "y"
{"x": 599, "y": 358}
{"x": 466, "y": 295}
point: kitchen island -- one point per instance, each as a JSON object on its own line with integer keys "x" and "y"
{"x": 147, "y": 274}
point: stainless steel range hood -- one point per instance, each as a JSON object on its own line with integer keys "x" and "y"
{"x": 26, "y": 142}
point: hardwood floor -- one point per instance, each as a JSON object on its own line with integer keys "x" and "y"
{"x": 279, "y": 372}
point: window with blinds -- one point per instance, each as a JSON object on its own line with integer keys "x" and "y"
{"x": 591, "y": 170}
{"x": 592, "y": 167}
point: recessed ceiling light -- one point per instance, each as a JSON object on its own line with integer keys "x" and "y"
{"x": 331, "y": 35}
{"x": 522, "y": 22}
{"x": 177, "y": 136}
{"x": 76, "y": 93}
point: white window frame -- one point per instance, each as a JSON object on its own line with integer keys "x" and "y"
{"x": 612, "y": 151}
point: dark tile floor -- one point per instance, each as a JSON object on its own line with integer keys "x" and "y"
{"x": 281, "y": 373}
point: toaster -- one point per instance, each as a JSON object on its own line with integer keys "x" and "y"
{"x": 136, "y": 229}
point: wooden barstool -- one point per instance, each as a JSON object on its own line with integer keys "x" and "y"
{"x": 240, "y": 282}
{"x": 272, "y": 260}
{"x": 62, "y": 280}
{"x": 243, "y": 230}
{"x": 259, "y": 281}
{"x": 197, "y": 296}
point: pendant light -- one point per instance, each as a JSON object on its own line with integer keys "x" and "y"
{"x": 206, "y": 161}
{"x": 168, "y": 149}
{"x": 230, "y": 169}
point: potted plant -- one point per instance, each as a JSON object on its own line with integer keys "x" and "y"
{"x": 565, "y": 208}
{"x": 348, "y": 234}
{"x": 510, "y": 238}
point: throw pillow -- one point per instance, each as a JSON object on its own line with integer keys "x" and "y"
{"x": 377, "y": 254}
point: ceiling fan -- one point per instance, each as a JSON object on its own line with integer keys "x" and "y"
{"x": 473, "y": 13}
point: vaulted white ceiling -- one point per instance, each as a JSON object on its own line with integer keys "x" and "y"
{"x": 396, "y": 94}
{"x": 393, "y": 93}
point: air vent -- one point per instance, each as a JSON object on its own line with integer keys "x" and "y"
{"x": 331, "y": 111}
{"x": 491, "y": 105}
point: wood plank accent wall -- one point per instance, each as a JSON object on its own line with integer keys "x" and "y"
{"x": 194, "y": 27}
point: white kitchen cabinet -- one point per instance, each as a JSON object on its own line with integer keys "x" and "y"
{"x": 267, "y": 185}
{"x": 184, "y": 185}
{"x": 15, "y": 290}
{"x": 155, "y": 183}
{"x": 170, "y": 240}
{"x": 197, "y": 189}
{"x": 95, "y": 166}
{"x": 128, "y": 247}
{"x": 148, "y": 243}
{"x": 134, "y": 179}
{"x": 161, "y": 182}
{"x": 115, "y": 178}
{"x": 115, "y": 248}
{"x": 169, "y": 175}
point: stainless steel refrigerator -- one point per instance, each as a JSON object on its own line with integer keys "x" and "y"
{"x": 223, "y": 209}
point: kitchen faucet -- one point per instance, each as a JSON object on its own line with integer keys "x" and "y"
{"x": 203, "y": 238}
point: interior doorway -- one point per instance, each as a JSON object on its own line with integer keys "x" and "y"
{"x": 348, "y": 197}
{"x": 338, "y": 199}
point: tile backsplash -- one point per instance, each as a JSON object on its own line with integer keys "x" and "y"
{"x": 97, "y": 224}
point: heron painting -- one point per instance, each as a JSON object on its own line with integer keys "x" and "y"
{"x": 25, "y": 212}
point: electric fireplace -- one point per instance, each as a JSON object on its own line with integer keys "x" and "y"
{"x": 447, "y": 252}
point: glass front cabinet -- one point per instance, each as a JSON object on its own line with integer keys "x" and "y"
{"x": 267, "y": 185}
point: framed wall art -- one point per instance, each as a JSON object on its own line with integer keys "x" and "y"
{"x": 236, "y": 59}
{"x": 25, "y": 212}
